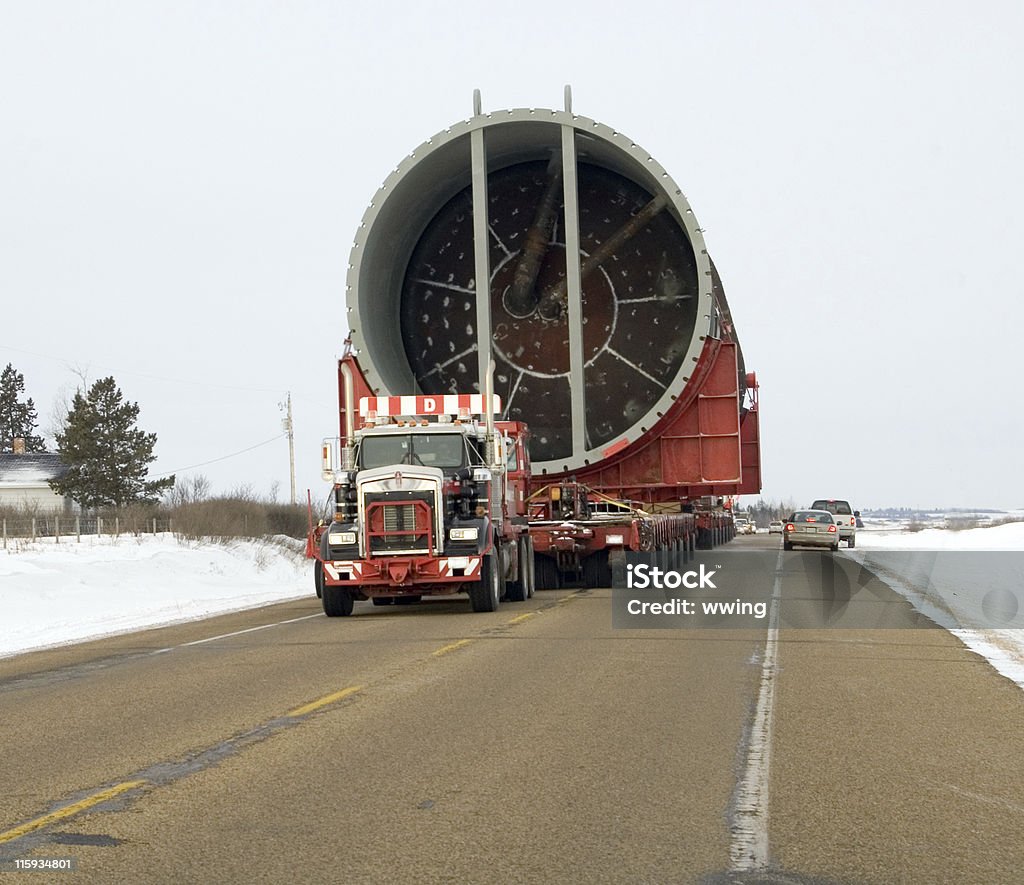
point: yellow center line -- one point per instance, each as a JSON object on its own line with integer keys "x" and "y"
{"x": 518, "y": 619}
{"x": 324, "y": 701}
{"x": 70, "y": 810}
{"x": 444, "y": 649}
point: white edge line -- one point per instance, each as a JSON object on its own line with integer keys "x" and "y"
{"x": 236, "y": 633}
{"x": 748, "y": 849}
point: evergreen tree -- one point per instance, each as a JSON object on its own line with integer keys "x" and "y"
{"x": 106, "y": 454}
{"x": 17, "y": 418}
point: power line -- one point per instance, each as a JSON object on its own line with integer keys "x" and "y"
{"x": 223, "y": 457}
{"x": 150, "y": 376}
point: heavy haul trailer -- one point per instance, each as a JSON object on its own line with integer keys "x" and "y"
{"x": 577, "y": 533}
{"x": 623, "y": 361}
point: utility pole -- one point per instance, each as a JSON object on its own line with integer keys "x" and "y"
{"x": 289, "y": 428}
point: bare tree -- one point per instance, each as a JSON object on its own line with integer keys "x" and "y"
{"x": 189, "y": 490}
{"x": 63, "y": 399}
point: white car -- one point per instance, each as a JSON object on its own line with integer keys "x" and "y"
{"x": 775, "y": 527}
{"x": 743, "y": 526}
{"x": 811, "y": 528}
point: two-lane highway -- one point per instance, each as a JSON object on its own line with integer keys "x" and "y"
{"x": 429, "y": 744}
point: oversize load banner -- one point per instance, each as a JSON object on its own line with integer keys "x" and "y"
{"x": 807, "y": 588}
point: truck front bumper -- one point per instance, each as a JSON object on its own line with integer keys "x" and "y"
{"x": 402, "y": 571}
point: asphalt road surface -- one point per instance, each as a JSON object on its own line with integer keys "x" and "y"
{"x": 535, "y": 744}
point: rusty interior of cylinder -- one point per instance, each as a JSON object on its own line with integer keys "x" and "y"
{"x": 639, "y": 303}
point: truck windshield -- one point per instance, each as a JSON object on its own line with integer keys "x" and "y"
{"x": 443, "y": 450}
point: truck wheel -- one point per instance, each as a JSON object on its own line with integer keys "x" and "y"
{"x": 531, "y": 573}
{"x": 676, "y": 555}
{"x": 519, "y": 589}
{"x": 337, "y": 602}
{"x": 617, "y": 566}
{"x": 318, "y": 578}
{"x": 546, "y": 571}
{"x": 596, "y": 570}
{"x": 664, "y": 557}
{"x": 485, "y": 594}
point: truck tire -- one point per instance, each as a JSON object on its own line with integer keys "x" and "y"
{"x": 485, "y": 594}
{"x": 520, "y": 590}
{"x": 665, "y": 556}
{"x": 338, "y": 603}
{"x": 596, "y": 570}
{"x": 617, "y": 566}
{"x": 531, "y": 569}
{"x": 546, "y": 572}
{"x": 318, "y": 578}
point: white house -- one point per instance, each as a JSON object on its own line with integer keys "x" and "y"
{"x": 24, "y": 480}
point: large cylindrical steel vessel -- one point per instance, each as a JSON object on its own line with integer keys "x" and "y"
{"x": 594, "y": 352}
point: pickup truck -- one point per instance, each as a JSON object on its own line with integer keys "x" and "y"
{"x": 845, "y": 516}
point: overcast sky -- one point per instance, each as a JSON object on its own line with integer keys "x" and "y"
{"x": 180, "y": 184}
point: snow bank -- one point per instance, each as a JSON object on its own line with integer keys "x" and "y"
{"x": 1000, "y": 537}
{"x": 971, "y": 582}
{"x": 54, "y": 594}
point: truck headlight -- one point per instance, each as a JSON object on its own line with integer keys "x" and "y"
{"x": 464, "y": 534}
{"x": 341, "y": 539}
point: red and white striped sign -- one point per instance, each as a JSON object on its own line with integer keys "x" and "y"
{"x": 445, "y": 404}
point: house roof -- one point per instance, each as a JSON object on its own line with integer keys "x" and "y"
{"x": 30, "y": 469}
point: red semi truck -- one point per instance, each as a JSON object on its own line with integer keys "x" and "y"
{"x": 429, "y": 499}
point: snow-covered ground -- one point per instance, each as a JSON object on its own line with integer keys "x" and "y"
{"x": 970, "y": 581}
{"x": 1000, "y": 537}
{"x": 54, "y": 594}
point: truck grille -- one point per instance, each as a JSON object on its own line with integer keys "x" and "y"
{"x": 399, "y": 526}
{"x": 399, "y": 516}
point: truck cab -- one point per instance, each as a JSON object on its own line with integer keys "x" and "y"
{"x": 400, "y": 470}
{"x": 425, "y": 507}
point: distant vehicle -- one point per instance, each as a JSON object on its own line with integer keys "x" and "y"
{"x": 847, "y": 518}
{"x": 743, "y": 526}
{"x": 811, "y": 528}
{"x": 775, "y": 527}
